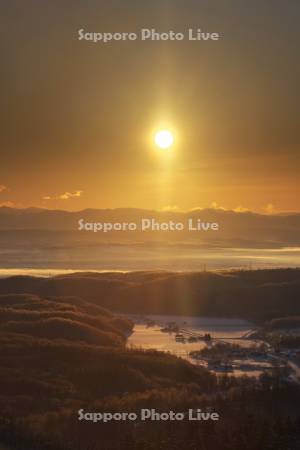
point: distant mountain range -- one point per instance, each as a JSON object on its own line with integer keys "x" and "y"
{"x": 236, "y": 229}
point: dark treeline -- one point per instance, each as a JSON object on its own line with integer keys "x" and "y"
{"x": 256, "y": 295}
{"x": 62, "y": 354}
{"x": 284, "y": 322}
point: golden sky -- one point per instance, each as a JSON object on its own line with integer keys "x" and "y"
{"x": 78, "y": 118}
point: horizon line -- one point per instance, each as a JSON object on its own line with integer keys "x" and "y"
{"x": 160, "y": 211}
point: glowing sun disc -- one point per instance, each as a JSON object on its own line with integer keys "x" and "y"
{"x": 164, "y": 139}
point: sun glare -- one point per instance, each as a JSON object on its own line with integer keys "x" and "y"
{"x": 164, "y": 139}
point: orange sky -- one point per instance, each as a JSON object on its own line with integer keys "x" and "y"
{"x": 77, "y": 118}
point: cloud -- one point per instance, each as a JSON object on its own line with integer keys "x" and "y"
{"x": 196, "y": 208}
{"x": 170, "y": 208}
{"x": 241, "y": 209}
{"x": 64, "y": 196}
{"x": 3, "y": 188}
{"x": 270, "y": 209}
{"x": 215, "y": 205}
{"x": 8, "y": 204}
{"x": 68, "y": 195}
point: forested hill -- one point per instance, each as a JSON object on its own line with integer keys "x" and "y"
{"x": 255, "y": 295}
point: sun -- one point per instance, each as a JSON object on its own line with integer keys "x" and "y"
{"x": 164, "y": 139}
